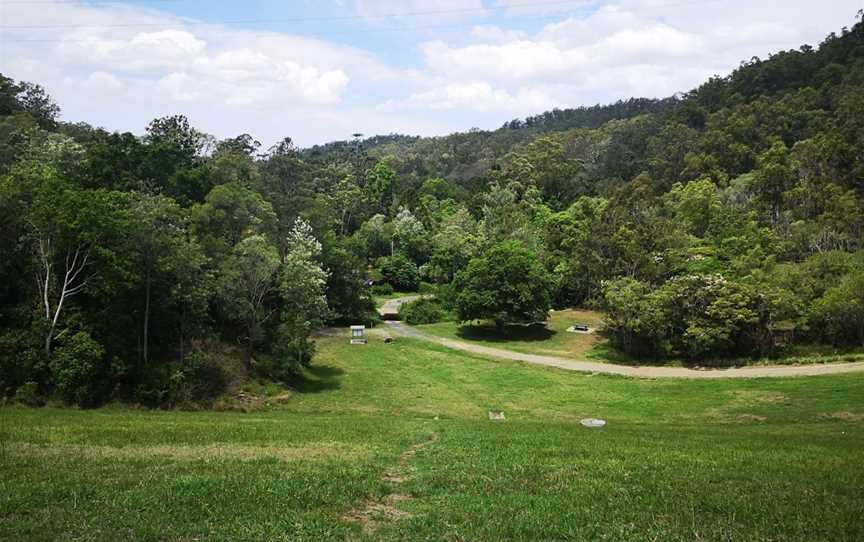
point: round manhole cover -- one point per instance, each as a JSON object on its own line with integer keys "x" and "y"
{"x": 593, "y": 422}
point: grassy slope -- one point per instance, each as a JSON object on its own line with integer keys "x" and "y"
{"x": 726, "y": 460}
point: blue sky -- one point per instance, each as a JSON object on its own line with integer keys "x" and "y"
{"x": 319, "y": 71}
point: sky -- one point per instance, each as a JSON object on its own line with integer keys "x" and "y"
{"x": 319, "y": 71}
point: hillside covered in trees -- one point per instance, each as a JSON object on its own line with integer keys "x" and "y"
{"x": 727, "y": 221}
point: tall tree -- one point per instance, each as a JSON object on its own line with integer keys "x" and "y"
{"x": 302, "y": 288}
{"x": 246, "y": 278}
{"x": 506, "y": 284}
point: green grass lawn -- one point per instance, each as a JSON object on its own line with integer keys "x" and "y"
{"x": 554, "y": 340}
{"x": 679, "y": 460}
{"x": 380, "y": 299}
{"x": 551, "y": 340}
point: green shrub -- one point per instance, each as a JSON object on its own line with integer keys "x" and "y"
{"x": 21, "y": 360}
{"x": 195, "y": 380}
{"x": 838, "y": 316}
{"x": 75, "y": 366}
{"x": 400, "y": 272}
{"x": 28, "y": 394}
{"x": 446, "y": 295}
{"x": 191, "y": 382}
{"x": 382, "y": 289}
{"x": 291, "y": 353}
{"x": 422, "y": 311}
{"x": 427, "y": 288}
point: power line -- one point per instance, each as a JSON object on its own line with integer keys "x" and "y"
{"x": 311, "y": 35}
{"x": 274, "y": 33}
{"x": 85, "y": 2}
{"x": 298, "y": 19}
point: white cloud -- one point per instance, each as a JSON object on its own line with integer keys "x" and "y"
{"x": 476, "y": 96}
{"x": 494, "y": 34}
{"x": 189, "y": 69}
{"x": 141, "y": 50}
{"x": 122, "y": 65}
{"x": 610, "y": 38}
{"x": 509, "y": 61}
{"x": 628, "y": 48}
{"x": 99, "y": 80}
{"x": 179, "y": 86}
{"x": 143, "y": 63}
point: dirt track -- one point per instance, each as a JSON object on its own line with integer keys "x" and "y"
{"x": 399, "y": 328}
{"x": 391, "y": 306}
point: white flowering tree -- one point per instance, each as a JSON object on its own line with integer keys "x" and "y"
{"x": 302, "y": 288}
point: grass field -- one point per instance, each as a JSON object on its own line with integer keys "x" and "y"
{"x": 554, "y": 340}
{"x": 551, "y": 340}
{"x": 393, "y": 442}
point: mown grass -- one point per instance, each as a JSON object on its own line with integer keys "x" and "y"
{"x": 680, "y": 460}
{"x": 552, "y": 339}
{"x": 379, "y": 299}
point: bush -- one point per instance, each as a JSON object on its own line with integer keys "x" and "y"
{"x": 28, "y": 394}
{"x": 382, "y": 289}
{"x": 195, "y": 380}
{"x": 838, "y": 316}
{"x": 694, "y": 316}
{"x": 400, "y": 272}
{"x": 75, "y": 366}
{"x": 21, "y": 360}
{"x": 291, "y": 353}
{"x": 422, "y": 311}
{"x": 446, "y": 295}
{"x": 427, "y": 288}
{"x": 191, "y": 382}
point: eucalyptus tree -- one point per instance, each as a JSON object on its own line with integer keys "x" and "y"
{"x": 246, "y": 278}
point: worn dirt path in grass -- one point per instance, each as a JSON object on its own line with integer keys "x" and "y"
{"x": 373, "y": 513}
{"x": 399, "y": 328}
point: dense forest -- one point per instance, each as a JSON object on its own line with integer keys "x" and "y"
{"x": 725, "y": 222}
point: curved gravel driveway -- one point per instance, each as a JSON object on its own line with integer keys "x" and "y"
{"x": 399, "y": 328}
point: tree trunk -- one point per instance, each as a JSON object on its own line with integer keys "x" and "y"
{"x": 182, "y": 331}
{"x": 250, "y": 342}
{"x": 147, "y": 281}
{"x": 48, "y": 341}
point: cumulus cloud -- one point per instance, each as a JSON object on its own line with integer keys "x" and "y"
{"x": 494, "y": 34}
{"x": 567, "y": 49}
{"x": 189, "y": 68}
{"x": 122, "y": 65}
{"x": 476, "y": 96}
{"x": 651, "y": 48}
{"x": 139, "y": 51}
{"x": 98, "y": 80}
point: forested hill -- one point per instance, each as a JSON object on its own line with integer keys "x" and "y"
{"x": 725, "y": 222}
{"x": 834, "y": 62}
{"x": 514, "y": 131}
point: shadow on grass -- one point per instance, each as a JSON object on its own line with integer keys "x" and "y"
{"x": 510, "y": 333}
{"x": 319, "y": 378}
